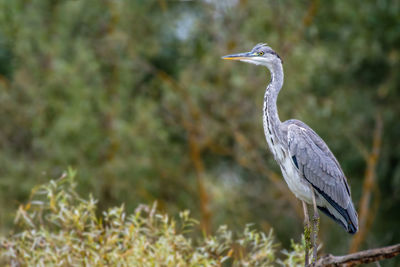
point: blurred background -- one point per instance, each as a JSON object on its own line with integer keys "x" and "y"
{"x": 134, "y": 95}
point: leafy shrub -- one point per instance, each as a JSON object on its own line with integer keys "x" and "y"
{"x": 58, "y": 227}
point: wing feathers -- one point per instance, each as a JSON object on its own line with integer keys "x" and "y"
{"x": 330, "y": 178}
{"x": 320, "y": 168}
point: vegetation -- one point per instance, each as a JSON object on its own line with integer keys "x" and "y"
{"x": 134, "y": 95}
{"x": 59, "y": 228}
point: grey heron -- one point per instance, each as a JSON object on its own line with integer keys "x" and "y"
{"x": 308, "y": 166}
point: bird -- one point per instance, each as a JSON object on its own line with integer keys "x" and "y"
{"x": 308, "y": 166}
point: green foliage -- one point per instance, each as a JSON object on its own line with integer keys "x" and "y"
{"x": 57, "y": 227}
{"x": 294, "y": 257}
{"x": 128, "y": 91}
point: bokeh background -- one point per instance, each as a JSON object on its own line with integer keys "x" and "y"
{"x": 134, "y": 95}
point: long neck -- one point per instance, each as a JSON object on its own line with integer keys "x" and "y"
{"x": 271, "y": 118}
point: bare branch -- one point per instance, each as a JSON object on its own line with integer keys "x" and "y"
{"x": 366, "y": 256}
{"x": 365, "y": 215}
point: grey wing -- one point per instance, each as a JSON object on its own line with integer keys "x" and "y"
{"x": 317, "y": 164}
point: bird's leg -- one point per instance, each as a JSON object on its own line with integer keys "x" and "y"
{"x": 315, "y": 227}
{"x": 307, "y": 233}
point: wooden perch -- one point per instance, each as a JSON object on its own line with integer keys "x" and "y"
{"x": 366, "y": 256}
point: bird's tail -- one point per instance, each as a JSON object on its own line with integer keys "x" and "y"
{"x": 352, "y": 223}
{"x": 347, "y": 217}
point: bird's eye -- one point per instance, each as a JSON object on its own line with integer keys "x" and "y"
{"x": 261, "y": 53}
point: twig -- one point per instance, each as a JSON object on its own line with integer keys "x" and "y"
{"x": 190, "y": 122}
{"x": 306, "y": 22}
{"x": 366, "y": 256}
{"x": 195, "y": 156}
{"x": 365, "y": 218}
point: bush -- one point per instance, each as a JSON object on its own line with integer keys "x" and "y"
{"x": 58, "y": 227}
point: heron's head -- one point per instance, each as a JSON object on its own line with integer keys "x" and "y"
{"x": 261, "y": 54}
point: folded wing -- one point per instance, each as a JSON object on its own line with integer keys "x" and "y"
{"x": 320, "y": 168}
